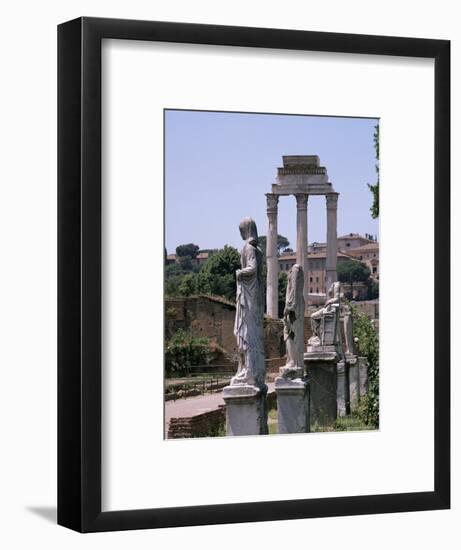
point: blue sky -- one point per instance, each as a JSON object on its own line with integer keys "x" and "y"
{"x": 218, "y": 166}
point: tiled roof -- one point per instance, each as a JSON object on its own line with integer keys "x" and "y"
{"x": 365, "y": 248}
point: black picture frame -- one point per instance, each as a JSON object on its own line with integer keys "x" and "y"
{"x": 79, "y": 274}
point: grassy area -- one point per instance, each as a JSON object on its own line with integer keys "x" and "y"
{"x": 351, "y": 423}
{"x": 272, "y": 421}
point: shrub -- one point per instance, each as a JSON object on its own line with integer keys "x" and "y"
{"x": 184, "y": 350}
{"x": 368, "y": 346}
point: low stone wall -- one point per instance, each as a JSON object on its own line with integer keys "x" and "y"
{"x": 206, "y": 424}
{"x": 201, "y": 425}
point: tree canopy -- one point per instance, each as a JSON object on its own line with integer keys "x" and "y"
{"x": 352, "y": 271}
{"x": 189, "y": 249}
{"x": 282, "y": 243}
{"x": 374, "y": 209}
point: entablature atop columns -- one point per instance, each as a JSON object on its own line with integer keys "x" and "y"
{"x": 302, "y": 174}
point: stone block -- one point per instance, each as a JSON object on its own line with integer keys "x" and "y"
{"x": 321, "y": 373}
{"x": 363, "y": 376}
{"x": 292, "y": 405}
{"x": 246, "y": 410}
{"x": 354, "y": 385}
{"x": 342, "y": 392}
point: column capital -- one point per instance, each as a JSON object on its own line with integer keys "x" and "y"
{"x": 272, "y": 201}
{"x": 301, "y": 201}
{"x": 332, "y": 200}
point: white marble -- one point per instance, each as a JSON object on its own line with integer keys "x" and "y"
{"x": 301, "y": 239}
{"x": 292, "y": 405}
{"x": 272, "y": 294}
{"x": 363, "y": 376}
{"x": 332, "y": 241}
{"x": 249, "y": 315}
{"x": 293, "y": 321}
{"x": 325, "y": 321}
{"x": 246, "y": 410}
{"x": 342, "y": 392}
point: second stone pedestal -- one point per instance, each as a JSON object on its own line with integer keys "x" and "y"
{"x": 354, "y": 384}
{"x": 246, "y": 410}
{"x": 292, "y": 405}
{"x": 321, "y": 369}
{"x": 342, "y": 392}
{"x": 363, "y": 376}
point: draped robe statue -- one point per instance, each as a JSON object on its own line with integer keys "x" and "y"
{"x": 293, "y": 321}
{"x": 327, "y": 314}
{"x": 249, "y": 316}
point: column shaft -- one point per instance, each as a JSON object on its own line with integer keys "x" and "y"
{"x": 272, "y": 290}
{"x": 332, "y": 242}
{"x": 301, "y": 240}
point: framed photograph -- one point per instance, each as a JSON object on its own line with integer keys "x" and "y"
{"x": 254, "y": 274}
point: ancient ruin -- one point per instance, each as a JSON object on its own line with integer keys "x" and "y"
{"x": 245, "y": 397}
{"x": 301, "y": 176}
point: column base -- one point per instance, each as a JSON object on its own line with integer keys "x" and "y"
{"x": 292, "y": 405}
{"x": 246, "y": 410}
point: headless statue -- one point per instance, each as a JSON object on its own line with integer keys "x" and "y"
{"x": 293, "y": 321}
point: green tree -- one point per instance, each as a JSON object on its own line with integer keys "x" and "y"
{"x": 373, "y": 290}
{"x": 185, "y": 263}
{"x": 172, "y": 270}
{"x": 189, "y": 249}
{"x": 187, "y": 285}
{"x": 283, "y": 282}
{"x": 282, "y": 243}
{"x": 218, "y": 273}
{"x": 374, "y": 209}
{"x": 352, "y": 271}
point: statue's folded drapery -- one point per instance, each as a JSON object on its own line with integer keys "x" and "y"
{"x": 248, "y": 327}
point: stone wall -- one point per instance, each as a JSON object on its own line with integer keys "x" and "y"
{"x": 369, "y": 307}
{"x": 213, "y": 317}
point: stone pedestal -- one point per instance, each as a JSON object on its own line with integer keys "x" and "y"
{"x": 292, "y": 405}
{"x": 321, "y": 369}
{"x": 342, "y": 391}
{"x": 354, "y": 384}
{"x": 246, "y": 410}
{"x": 363, "y": 376}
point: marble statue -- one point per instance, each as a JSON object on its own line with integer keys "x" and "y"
{"x": 249, "y": 316}
{"x": 349, "y": 344}
{"x": 293, "y": 321}
{"x": 325, "y": 321}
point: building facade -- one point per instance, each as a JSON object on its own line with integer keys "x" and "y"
{"x": 350, "y": 247}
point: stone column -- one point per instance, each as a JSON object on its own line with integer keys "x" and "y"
{"x": 272, "y": 293}
{"x": 332, "y": 243}
{"x": 301, "y": 240}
